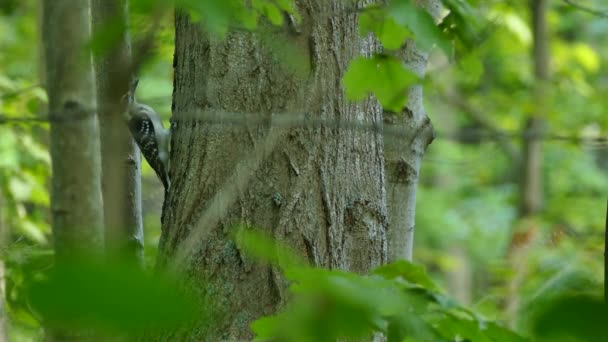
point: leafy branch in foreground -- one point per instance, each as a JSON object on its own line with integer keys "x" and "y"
{"x": 399, "y": 300}
{"x": 109, "y": 298}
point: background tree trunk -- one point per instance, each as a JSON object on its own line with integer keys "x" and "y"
{"x": 321, "y": 190}
{"x": 76, "y": 192}
{"x": 121, "y": 180}
{"x": 403, "y": 157}
{"x": 531, "y": 181}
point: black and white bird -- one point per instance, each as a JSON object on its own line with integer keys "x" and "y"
{"x": 148, "y": 132}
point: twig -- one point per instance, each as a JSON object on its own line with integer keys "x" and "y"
{"x": 483, "y": 121}
{"x": 594, "y": 11}
{"x": 19, "y": 91}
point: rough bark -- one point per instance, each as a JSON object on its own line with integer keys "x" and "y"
{"x": 403, "y": 157}
{"x": 318, "y": 189}
{"x": 121, "y": 179}
{"x": 75, "y": 192}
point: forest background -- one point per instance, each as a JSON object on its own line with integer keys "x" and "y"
{"x": 482, "y": 243}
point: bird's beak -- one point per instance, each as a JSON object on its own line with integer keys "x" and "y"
{"x": 134, "y": 83}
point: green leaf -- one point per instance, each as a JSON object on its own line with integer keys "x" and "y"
{"x": 382, "y": 75}
{"x": 32, "y": 231}
{"x": 587, "y": 57}
{"x": 266, "y": 327}
{"x": 461, "y": 23}
{"x": 454, "y": 328}
{"x": 250, "y": 20}
{"x": 420, "y": 23}
{"x": 214, "y": 16}
{"x": 39, "y": 192}
{"x": 35, "y": 149}
{"x": 105, "y": 297}
{"x": 501, "y": 334}
{"x": 9, "y": 157}
{"x": 472, "y": 68}
{"x": 19, "y": 189}
{"x": 286, "y": 5}
{"x": 270, "y": 10}
{"x": 265, "y": 249}
{"x": 413, "y": 273}
{"x": 332, "y": 304}
{"x": 391, "y": 34}
{"x": 572, "y": 318}
{"x": 33, "y": 105}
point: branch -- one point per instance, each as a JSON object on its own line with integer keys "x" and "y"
{"x": 20, "y": 91}
{"x": 590, "y": 10}
{"x": 501, "y": 136}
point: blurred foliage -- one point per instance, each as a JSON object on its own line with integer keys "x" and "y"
{"x": 401, "y": 301}
{"x": 467, "y": 219}
{"x": 380, "y": 75}
{"x": 467, "y": 216}
{"x": 90, "y": 296}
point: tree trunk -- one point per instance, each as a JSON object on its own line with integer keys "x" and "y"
{"x": 318, "y": 189}
{"x": 403, "y": 157}
{"x": 76, "y": 192}
{"x": 531, "y": 181}
{"x": 121, "y": 180}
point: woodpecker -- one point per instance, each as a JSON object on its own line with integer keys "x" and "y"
{"x": 148, "y": 132}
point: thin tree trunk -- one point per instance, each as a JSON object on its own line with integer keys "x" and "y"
{"x": 531, "y": 179}
{"x": 531, "y": 182}
{"x": 76, "y": 204}
{"x": 121, "y": 180}
{"x": 460, "y": 276}
{"x": 318, "y": 189}
{"x": 41, "y": 66}
{"x": 403, "y": 157}
{"x": 76, "y": 192}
